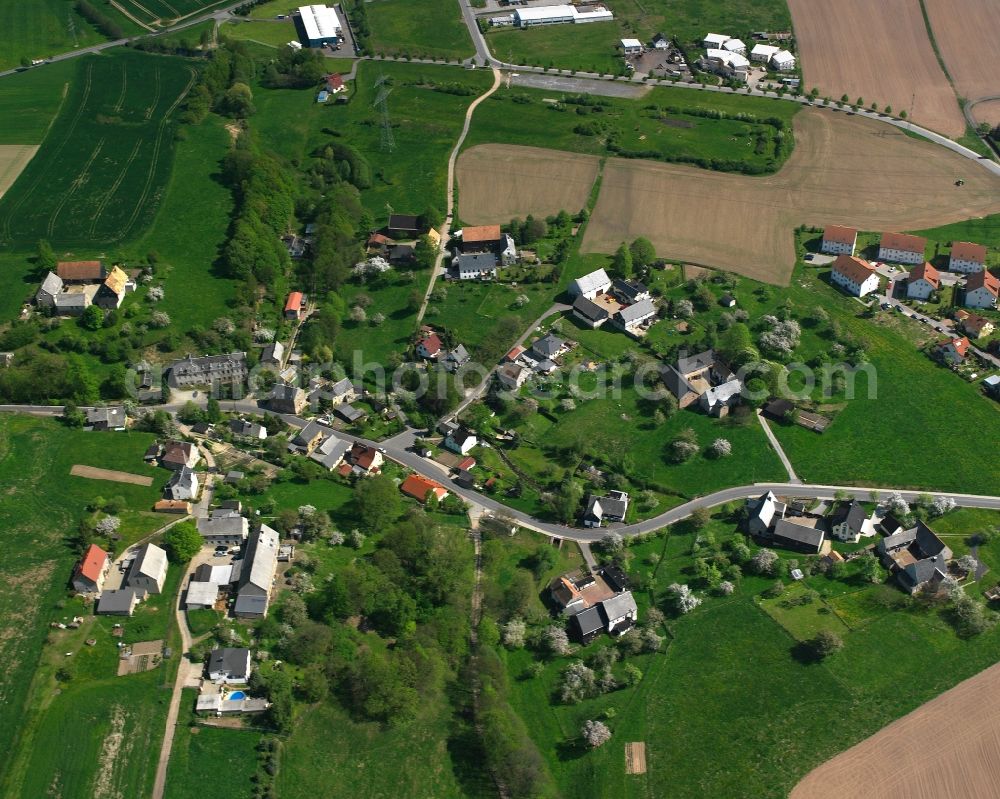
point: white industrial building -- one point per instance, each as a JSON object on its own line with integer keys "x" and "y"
{"x": 763, "y": 52}
{"x": 555, "y": 15}
{"x": 321, "y": 25}
{"x": 734, "y": 46}
{"x": 714, "y": 41}
{"x": 632, "y": 46}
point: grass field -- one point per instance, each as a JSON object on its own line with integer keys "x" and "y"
{"x": 587, "y": 48}
{"x": 43, "y": 509}
{"x": 41, "y": 29}
{"x": 663, "y": 121}
{"x": 429, "y": 29}
{"x": 29, "y": 101}
{"x": 272, "y": 34}
{"x": 203, "y": 755}
{"x": 100, "y": 173}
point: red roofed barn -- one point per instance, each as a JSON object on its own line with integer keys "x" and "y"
{"x": 90, "y": 572}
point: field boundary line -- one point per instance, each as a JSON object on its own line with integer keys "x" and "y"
{"x": 80, "y": 180}
{"x": 55, "y": 157}
{"x": 121, "y": 98}
{"x": 114, "y": 187}
{"x": 132, "y": 16}
{"x": 156, "y": 96}
{"x": 156, "y": 156}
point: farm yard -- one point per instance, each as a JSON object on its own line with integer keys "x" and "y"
{"x": 100, "y": 173}
{"x": 962, "y": 722}
{"x": 880, "y": 52}
{"x": 744, "y": 224}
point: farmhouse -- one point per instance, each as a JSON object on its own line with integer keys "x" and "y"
{"x": 208, "y": 370}
{"x": 403, "y": 226}
{"x": 365, "y": 459}
{"x": 691, "y": 377}
{"x": 456, "y": 358}
{"x": 148, "y": 571}
{"x": 182, "y": 485}
{"x": 285, "y": 398}
{"x": 419, "y": 488}
{"x": 172, "y": 506}
{"x": 293, "y": 306}
{"x": 119, "y": 602}
{"x": 548, "y": 347}
{"x": 555, "y": 15}
{"x": 967, "y": 257}
{"x": 586, "y": 625}
{"x": 72, "y": 303}
{"x": 763, "y": 513}
{"x": 590, "y": 285}
{"x": 619, "y": 612}
{"x": 230, "y": 529}
{"x": 953, "y": 351}
{"x": 91, "y": 571}
{"x": 461, "y": 441}
{"x": 111, "y": 292}
{"x": 178, "y": 455}
{"x": 476, "y": 266}
{"x": 589, "y": 312}
{"x": 229, "y": 665}
{"x": 578, "y": 590}
{"x": 110, "y": 417}
{"x": 331, "y": 452}
{"x": 513, "y": 375}
{"x": 50, "y": 288}
{"x": 799, "y": 533}
{"x": 321, "y": 26}
{"x": 717, "y": 400}
{"x": 854, "y": 275}
{"x": 850, "y": 521}
{"x": 634, "y": 318}
{"x": 201, "y": 595}
{"x": 837, "y": 239}
{"x": 923, "y": 281}
{"x": 80, "y": 272}
{"x": 256, "y": 574}
{"x": 610, "y": 508}
{"x": 306, "y": 439}
{"x": 917, "y": 557}
{"x": 981, "y": 290}
{"x": 630, "y": 291}
{"x": 429, "y": 345}
{"x": 901, "y": 248}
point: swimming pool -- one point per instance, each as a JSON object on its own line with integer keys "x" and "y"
{"x": 237, "y": 695}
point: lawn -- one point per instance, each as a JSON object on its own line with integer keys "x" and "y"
{"x": 270, "y": 34}
{"x": 114, "y": 136}
{"x": 665, "y": 124}
{"x": 985, "y": 230}
{"x": 428, "y": 29}
{"x": 587, "y": 48}
{"x": 41, "y": 29}
{"x": 203, "y": 755}
{"x": 802, "y": 613}
{"x": 273, "y": 8}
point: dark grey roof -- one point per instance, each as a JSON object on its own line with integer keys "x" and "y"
{"x": 342, "y": 388}
{"x": 474, "y": 263}
{"x": 854, "y": 514}
{"x": 589, "y": 309}
{"x": 400, "y": 252}
{"x": 918, "y": 573}
{"x": 348, "y": 412}
{"x": 619, "y": 605}
{"x": 331, "y": 452}
{"x": 675, "y": 382}
{"x": 231, "y": 660}
{"x": 640, "y": 310}
{"x": 548, "y": 346}
{"x": 119, "y": 601}
{"x": 694, "y": 363}
{"x": 459, "y": 355}
{"x": 284, "y": 391}
{"x": 614, "y": 508}
{"x": 404, "y": 221}
{"x": 587, "y": 622}
{"x": 790, "y": 531}
{"x": 190, "y": 366}
{"x": 615, "y": 577}
{"x": 71, "y": 300}
{"x": 594, "y": 510}
{"x": 629, "y": 289}
{"x": 273, "y": 352}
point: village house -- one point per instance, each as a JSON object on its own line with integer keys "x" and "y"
{"x": 111, "y": 292}
{"x": 634, "y": 318}
{"x": 285, "y": 398}
{"x": 545, "y": 350}
{"x": 901, "y": 248}
{"x": 974, "y": 325}
{"x": 620, "y": 613}
{"x": 229, "y": 528}
{"x": 456, "y": 358}
{"x": 119, "y": 602}
{"x": 718, "y": 400}
{"x": 762, "y": 513}
{"x": 148, "y": 571}
{"x": 273, "y": 354}
{"x": 776, "y": 523}
{"x": 308, "y": 438}
{"x": 917, "y": 557}
{"x": 837, "y": 239}
{"x": 854, "y": 275}
{"x": 429, "y": 345}
{"x": 403, "y": 226}
{"x": 335, "y": 83}
{"x": 967, "y": 257}
{"x": 513, "y": 375}
{"x": 91, "y": 571}
{"x": 578, "y": 590}
{"x": 850, "y": 521}
{"x": 256, "y": 574}
{"x": 609, "y": 508}
{"x": 595, "y": 602}
{"x": 629, "y": 292}
{"x": 693, "y": 377}
{"x": 461, "y": 441}
{"x": 178, "y": 455}
{"x": 489, "y": 239}
{"x": 330, "y": 453}
{"x": 182, "y": 485}
{"x": 180, "y": 507}
{"x": 923, "y": 281}
{"x": 953, "y": 351}
{"x": 981, "y": 290}
{"x": 208, "y": 370}
{"x": 230, "y": 665}
{"x": 365, "y": 459}
{"x": 590, "y": 313}
{"x": 590, "y": 285}
{"x": 110, "y": 417}
{"x": 50, "y": 288}
{"x": 249, "y": 430}
{"x": 660, "y": 42}
{"x": 475, "y": 266}
{"x": 294, "y": 306}
{"x": 348, "y": 413}
{"x": 419, "y": 488}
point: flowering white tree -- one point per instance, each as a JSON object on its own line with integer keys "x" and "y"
{"x": 373, "y": 266}
{"x": 159, "y": 319}
{"x": 721, "y": 448}
{"x": 522, "y": 300}
{"x": 579, "y": 681}
{"x": 682, "y": 450}
{"x": 942, "y": 505}
{"x": 684, "y": 309}
{"x": 263, "y": 335}
{"x": 556, "y": 640}
{"x": 898, "y": 505}
{"x": 358, "y": 314}
{"x": 155, "y": 293}
{"x": 307, "y": 510}
{"x": 108, "y": 525}
{"x": 651, "y": 641}
{"x": 765, "y": 562}
{"x": 968, "y": 563}
{"x": 377, "y": 319}
{"x": 612, "y": 543}
{"x": 356, "y": 539}
{"x": 513, "y": 633}
{"x": 223, "y": 325}
{"x": 726, "y": 588}
{"x": 684, "y": 600}
{"x": 568, "y": 404}
{"x": 336, "y": 538}
{"x": 595, "y": 733}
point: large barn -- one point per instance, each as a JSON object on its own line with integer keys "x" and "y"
{"x": 321, "y": 26}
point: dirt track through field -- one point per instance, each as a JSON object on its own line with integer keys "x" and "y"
{"x": 499, "y": 182}
{"x": 948, "y": 747}
{"x": 844, "y": 170}
{"x": 880, "y": 51}
{"x": 967, "y": 33}
{"x": 13, "y": 159}
{"x": 94, "y": 473}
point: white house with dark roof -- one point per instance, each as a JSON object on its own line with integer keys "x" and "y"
{"x": 717, "y": 400}
{"x": 183, "y": 484}
{"x": 609, "y": 508}
{"x": 229, "y": 665}
{"x": 850, "y": 521}
{"x": 461, "y": 441}
{"x": 620, "y": 613}
{"x": 917, "y": 557}
{"x": 231, "y": 529}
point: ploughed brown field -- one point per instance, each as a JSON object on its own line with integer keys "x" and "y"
{"x": 13, "y": 159}
{"x": 949, "y": 747}
{"x": 844, "y": 169}
{"x": 967, "y": 33}
{"x": 879, "y": 50}
{"x": 497, "y": 182}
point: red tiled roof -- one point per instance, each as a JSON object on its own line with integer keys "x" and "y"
{"x": 334, "y": 81}
{"x": 417, "y": 487}
{"x": 363, "y": 455}
{"x": 515, "y": 353}
{"x": 92, "y": 563}
{"x": 378, "y": 238}
{"x": 344, "y": 470}
{"x": 840, "y": 234}
{"x": 857, "y": 269}
{"x": 80, "y": 270}
{"x": 431, "y": 343}
{"x": 177, "y": 452}
{"x": 984, "y": 279}
{"x": 928, "y": 273}
{"x": 903, "y": 241}
{"x": 480, "y": 233}
{"x": 967, "y": 251}
{"x": 466, "y": 463}
{"x": 961, "y": 345}
{"x": 974, "y": 324}
{"x": 294, "y": 302}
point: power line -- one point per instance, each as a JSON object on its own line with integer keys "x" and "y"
{"x": 388, "y": 140}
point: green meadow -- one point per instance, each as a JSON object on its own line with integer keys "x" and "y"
{"x": 428, "y": 29}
